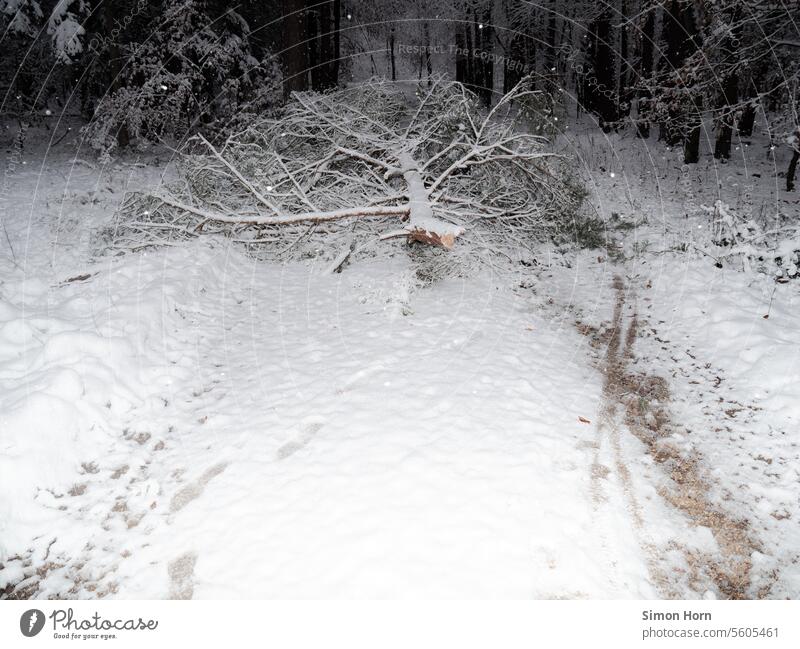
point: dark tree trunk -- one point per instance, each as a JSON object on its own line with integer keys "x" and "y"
{"x": 748, "y": 117}
{"x": 514, "y": 63}
{"x": 337, "y": 35}
{"x": 691, "y": 143}
{"x": 604, "y": 66}
{"x": 729, "y": 95}
{"x": 790, "y": 172}
{"x": 327, "y": 55}
{"x": 427, "y": 55}
{"x": 485, "y": 42}
{"x": 747, "y": 120}
{"x": 322, "y": 57}
{"x": 461, "y": 57}
{"x": 586, "y": 84}
{"x": 313, "y": 46}
{"x": 111, "y": 11}
{"x": 623, "y": 91}
{"x": 645, "y": 72}
{"x": 681, "y": 39}
{"x": 295, "y": 51}
{"x": 392, "y": 59}
{"x": 469, "y": 77}
{"x": 551, "y": 74}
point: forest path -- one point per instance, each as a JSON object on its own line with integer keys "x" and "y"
{"x": 371, "y": 453}
{"x": 637, "y": 418}
{"x": 307, "y": 435}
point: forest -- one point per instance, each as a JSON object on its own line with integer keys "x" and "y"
{"x": 400, "y": 299}
{"x": 138, "y": 70}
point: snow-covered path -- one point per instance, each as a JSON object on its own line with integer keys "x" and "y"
{"x": 308, "y": 435}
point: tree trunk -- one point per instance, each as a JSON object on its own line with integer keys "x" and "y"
{"x": 392, "y": 59}
{"x": 337, "y": 33}
{"x": 747, "y": 120}
{"x": 729, "y": 97}
{"x": 623, "y": 91}
{"x": 461, "y": 58}
{"x": 469, "y": 74}
{"x": 322, "y": 57}
{"x": 604, "y": 64}
{"x": 295, "y": 55}
{"x": 730, "y": 92}
{"x": 748, "y": 117}
{"x": 679, "y": 32}
{"x": 691, "y": 143}
{"x": 645, "y": 72}
{"x": 110, "y": 14}
{"x": 327, "y": 57}
{"x": 551, "y": 73}
{"x": 790, "y": 172}
{"x": 428, "y": 63}
{"x": 486, "y": 62}
{"x": 314, "y": 35}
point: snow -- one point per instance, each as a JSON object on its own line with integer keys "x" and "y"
{"x": 22, "y": 11}
{"x": 66, "y": 30}
{"x": 725, "y": 338}
{"x": 193, "y": 422}
{"x": 326, "y": 445}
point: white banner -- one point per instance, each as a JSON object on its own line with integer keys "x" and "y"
{"x": 392, "y": 624}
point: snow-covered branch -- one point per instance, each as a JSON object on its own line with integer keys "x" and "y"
{"x": 432, "y": 159}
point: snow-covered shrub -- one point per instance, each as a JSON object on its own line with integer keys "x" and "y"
{"x": 64, "y": 27}
{"x": 21, "y": 16}
{"x": 40, "y": 41}
{"x": 743, "y": 242}
{"x": 372, "y": 162}
{"x": 193, "y": 70}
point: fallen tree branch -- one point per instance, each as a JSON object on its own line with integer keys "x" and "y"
{"x": 441, "y": 166}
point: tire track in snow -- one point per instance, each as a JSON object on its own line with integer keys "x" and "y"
{"x": 628, "y": 399}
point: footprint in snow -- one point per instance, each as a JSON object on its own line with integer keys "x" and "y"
{"x": 310, "y": 429}
{"x": 181, "y": 576}
{"x": 195, "y": 489}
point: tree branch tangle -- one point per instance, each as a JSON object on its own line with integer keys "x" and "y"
{"x": 430, "y": 159}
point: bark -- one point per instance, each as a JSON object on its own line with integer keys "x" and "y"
{"x": 691, "y": 144}
{"x": 427, "y": 55}
{"x": 469, "y": 74}
{"x": 679, "y": 32}
{"x": 322, "y": 45}
{"x": 790, "y": 173}
{"x": 295, "y": 55}
{"x": 623, "y": 90}
{"x": 313, "y": 44}
{"x": 337, "y": 35}
{"x": 604, "y": 90}
{"x": 645, "y": 71}
{"x": 487, "y": 64}
{"x": 729, "y": 95}
{"x": 747, "y": 119}
{"x": 551, "y": 73}
{"x": 392, "y": 55}
{"x": 111, "y": 10}
{"x": 518, "y": 52}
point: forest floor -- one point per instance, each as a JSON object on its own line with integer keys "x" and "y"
{"x": 191, "y": 422}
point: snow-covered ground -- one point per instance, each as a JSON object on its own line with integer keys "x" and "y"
{"x": 191, "y": 422}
